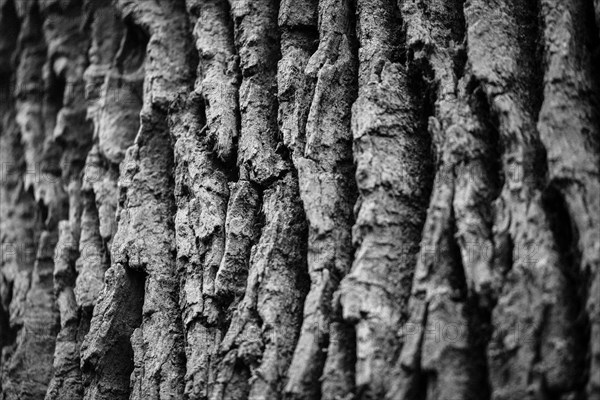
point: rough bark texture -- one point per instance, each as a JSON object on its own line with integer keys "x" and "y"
{"x": 300, "y": 199}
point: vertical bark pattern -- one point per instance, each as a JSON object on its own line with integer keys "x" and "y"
{"x": 299, "y": 199}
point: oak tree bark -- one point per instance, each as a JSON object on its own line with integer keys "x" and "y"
{"x": 300, "y": 199}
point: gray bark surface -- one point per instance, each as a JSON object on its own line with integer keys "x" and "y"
{"x": 300, "y": 199}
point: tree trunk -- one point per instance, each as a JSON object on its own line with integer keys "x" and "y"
{"x": 310, "y": 199}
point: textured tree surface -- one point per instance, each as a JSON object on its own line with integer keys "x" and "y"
{"x": 303, "y": 199}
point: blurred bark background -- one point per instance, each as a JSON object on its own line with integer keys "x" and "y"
{"x": 304, "y": 199}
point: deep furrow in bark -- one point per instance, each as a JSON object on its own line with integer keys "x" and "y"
{"x": 204, "y": 131}
{"x": 391, "y": 152}
{"x": 533, "y": 328}
{"x": 147, "y": 205}
{"x": 66, "y": 382}
{"x": 20, "y": 237}
{"x": 36, "y": 339}
{"x": 59, "y": 123}
{"x": 569, "y": 130}
{"x": 242, "y": 227}
{"x": 453, "y": 276}
{"x": 110, "y": 107}
{"x": 258, "y": 350}
{"x": 106, "y": 352}
{"x": 74, "y": 134}
{"x": 259, "y": 154}
{"x": 438, "y": 302}
{"x": 299, "y": 39}
{"x": 201, "y": 192}
{"x": 16, "y": 221}
{"x": 452, "y": 271}
{"x": 19, "y": 226}
{"x": 338, "y": 379}
{"x": 20, "y": 230}
{"x": 113, "y": 90}
{"x": 148, "y": 202}
{"x": 97, "y": 228}
{"x": 565, "y": 236}
{"x": 316, "y": 92}
{"x": 29, "y": 89}
{"x": 217, "y": 73}
{"x": 93, "y": 258}
{"x": 260, "y": 340}
{"x": 11, "y": 184}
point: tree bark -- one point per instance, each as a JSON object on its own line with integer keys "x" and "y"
{"x": 309, "y": 199}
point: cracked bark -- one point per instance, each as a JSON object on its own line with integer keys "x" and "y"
{"x": 311, "y": 199}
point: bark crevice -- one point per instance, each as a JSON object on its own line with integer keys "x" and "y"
{"x": 299, "y": 199}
